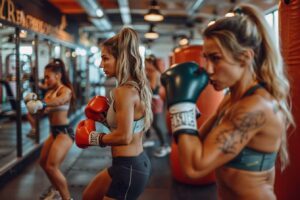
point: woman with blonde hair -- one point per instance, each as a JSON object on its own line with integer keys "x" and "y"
{"x": 128, "y": 117}
{"x": 247, "y": 134}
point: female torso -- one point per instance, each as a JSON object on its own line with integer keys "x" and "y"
{"x": 234, "y": 183}
{"x": 134, "y": 107}
{"x": 58, "y": 115}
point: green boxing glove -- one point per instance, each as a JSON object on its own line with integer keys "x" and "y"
{"x": 184, "y": 83}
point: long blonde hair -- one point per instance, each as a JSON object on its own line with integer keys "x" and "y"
{"x": 129, "y": 65}
{"x": 247, "y": 28}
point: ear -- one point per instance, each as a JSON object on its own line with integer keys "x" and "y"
{"x": 247, "y": 57}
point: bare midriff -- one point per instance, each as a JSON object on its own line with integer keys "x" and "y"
{"x": 132, "y": 149}
{"x": 58, "y": 118}
{"x": 245, "y": 185}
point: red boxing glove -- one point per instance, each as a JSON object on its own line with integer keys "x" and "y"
{"x": 90, "y": 133}
{"x": 97, "y": 108}
{"x": 83, "y": 130}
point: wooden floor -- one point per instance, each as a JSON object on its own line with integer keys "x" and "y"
{"x": 80, "y": 166}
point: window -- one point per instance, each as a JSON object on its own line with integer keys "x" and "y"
{"x": 272, "y": 19}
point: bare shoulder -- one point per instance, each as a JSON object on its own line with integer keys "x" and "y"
{"x": 64, "y": 90}
{"x": 255, "y": 109}
{"x": 264, "y": 102}
{"x": 240, "y": 123}
{"x": 125, "y": 92}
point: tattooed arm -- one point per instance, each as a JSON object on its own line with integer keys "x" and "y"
{"x": 210, "y": 122}
{"x": 225, "y": 141}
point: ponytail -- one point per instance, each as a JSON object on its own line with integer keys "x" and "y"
{"x": 125, "y": 48}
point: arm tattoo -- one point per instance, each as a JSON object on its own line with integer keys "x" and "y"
{"x": 242, "y": 122}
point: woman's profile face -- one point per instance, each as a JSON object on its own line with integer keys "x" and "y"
{"x": 51, "y": 78}
{"x": 108, "y": 63}
{"x": 223, "y": 70}
{"x": 149, "y": 67}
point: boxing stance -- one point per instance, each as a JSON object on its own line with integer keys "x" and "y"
{"x": 128, "y": 116}
{"x": 56, "y": 104}
{"x": 244, "y": 138}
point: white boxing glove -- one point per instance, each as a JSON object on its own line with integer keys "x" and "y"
{"x": 94, "y": 135}
{"x": 30, "y": 96}
{"x": 34, "y": 106}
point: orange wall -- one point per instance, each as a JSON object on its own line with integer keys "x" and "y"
{"x": 288, "y": 183}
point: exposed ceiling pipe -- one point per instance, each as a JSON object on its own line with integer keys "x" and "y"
{"x": 97, "y": 16}
{"x": 125, "y": 11}
{"x": 193, "y": 7}
{"x": 103, "y": 35}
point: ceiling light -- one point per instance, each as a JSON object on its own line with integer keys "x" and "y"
{"x": 154, "y": 14}
{"x": 151, "y": 34}
{"x": 99, "y": 12}
{"x": 183, "y": 41}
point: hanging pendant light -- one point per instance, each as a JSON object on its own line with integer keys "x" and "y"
{"x": 151, "y": 34}
{"x": 154, "y": 14}
{"x": 183, "y": 41}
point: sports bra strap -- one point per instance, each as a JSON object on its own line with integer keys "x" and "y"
{"x": 251, "y": 90}
{"x": 132, "y": 83}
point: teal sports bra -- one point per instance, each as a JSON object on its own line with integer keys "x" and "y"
{"x": 250, "y": 159}
{"x": 138, "y": 125}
